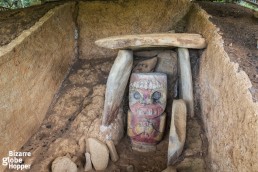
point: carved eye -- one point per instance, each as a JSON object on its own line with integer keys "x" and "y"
{"x": 156, "y": 96}
{"x": 137, "y": 95}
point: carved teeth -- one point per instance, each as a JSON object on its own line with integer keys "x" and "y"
{"x": 148, "y": 112}
{"x": 147, "y": 84}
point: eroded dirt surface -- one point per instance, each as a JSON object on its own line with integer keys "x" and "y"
{"x": 13, "y": 22}
{"x": 73, "y": 113}
{"x": 238, "y": 28}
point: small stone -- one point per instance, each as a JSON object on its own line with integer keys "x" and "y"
{"x": 177, "y": 131}
{"x": 130, "y": 168}
{"x": 170, "y": 169}
{"x": 99, "y": 154}
{"x": 189, "y": 152}
{"x": 88, "y": 164}
{"x": 185, "y": 80}
{"x": 112, "y": 150}
{"x": 172, "y": 31}
{"x": 146, "y": 65}
{"x": 192, "y": 164}
{"x": 63, "y": 164}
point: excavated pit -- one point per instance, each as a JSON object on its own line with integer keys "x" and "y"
{"x": 57, "y": 120}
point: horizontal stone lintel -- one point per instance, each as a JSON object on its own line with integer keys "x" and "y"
{"x": 134, "y": 42}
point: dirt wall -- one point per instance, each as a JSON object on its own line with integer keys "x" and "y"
{"x": 228, "y": 111}
{"x": 32, "y": 67}
{"x": 103, "y": 19}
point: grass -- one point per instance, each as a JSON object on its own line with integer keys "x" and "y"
{"x": 248, "y": 5}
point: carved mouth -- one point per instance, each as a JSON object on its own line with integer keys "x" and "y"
{"x": 147, "y": 112}
{"x": 146, "y": 84}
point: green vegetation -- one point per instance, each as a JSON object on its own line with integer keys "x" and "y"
{"x": 14, "y": 4}
{"x": 248, "y": 5}
{"x": 239, "y": 2}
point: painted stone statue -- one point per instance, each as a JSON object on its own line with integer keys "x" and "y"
{"x": 146, "y": 117}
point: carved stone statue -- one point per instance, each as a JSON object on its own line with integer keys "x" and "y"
{"x": 146, "y": 117}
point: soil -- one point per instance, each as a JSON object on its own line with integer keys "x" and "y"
{"x": 13, "y": 22}
{"x": 239, "y": 30}
{"x": 80, "y": 100}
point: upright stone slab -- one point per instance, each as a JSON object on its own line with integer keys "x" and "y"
{"x": 112, "y": 149}
{"x": 185, "y": 80}
{"x": 88, "y": 164}
{"x": 167, "y": 63}
{"x": 99, "y": 154}
{"x": 177, "y": 131}
{"x": 116, "y": 84}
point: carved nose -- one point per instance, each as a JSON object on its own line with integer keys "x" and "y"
{"x": 147, "y": 101}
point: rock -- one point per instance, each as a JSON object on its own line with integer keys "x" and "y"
{"x": 99, "y": 154}
{"x": 112, "y": 150}
{"x": 192, "y": 164}
{"x": 130, "y": 168}
{"x": 177, "y": 131}
{"x": 146, "y": 54}
{"x": 170, "y": 169}
{"x": 146, "y": 65}
{"x": 195, "y": 41}
{"x": 116, "y": 84}
{"x": 63, "y": 164}
{"x": 167, "y": 63}
{"x": 185, "y": 80}
{"x": 88, "y": 164}
{"x": 114, "y": 132}
{"x": 172, "y": 31}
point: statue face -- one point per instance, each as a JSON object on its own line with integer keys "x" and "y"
{"x": 148, "y": 94}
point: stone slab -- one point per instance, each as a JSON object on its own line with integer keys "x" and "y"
{"x": 116, "y": 84}
{"x": 185, "y": 80}
{"x": 63, "y": 164}
{"x": 184, "y": 40}
{"x": 112, "y": 150}
{"x": 88, "y": 163}
{"x": 99, "y": 154}
{"x": 177, "y": 133}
